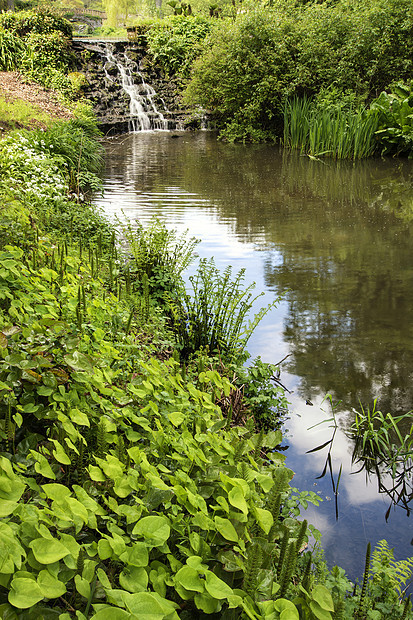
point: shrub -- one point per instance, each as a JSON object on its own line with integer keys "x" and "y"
{"x": 248, "y": 69}
{"x": 46, "y": 51}
{"x": 158, "y": 256}
{"x": 213, "y": 314}
{"x": 174, "y": 43}
{"x": 35, "y": 21}
{"x": 243, "y": 72}
{"x": 395, "y": 119}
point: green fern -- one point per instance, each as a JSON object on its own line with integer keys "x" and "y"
{"x": 359, "y": 613}
{"x": 101, "y": 439}
{"x": 283, "y": 549}
{"x": 80, "y": 563}
{"x": 245, "y": 472}
{"x": 306, "y": 580}
{"x": 275, "y": 497}
{"x": 287, "y": 569}
{"x": 252, "y": 566}
{"x": 399, "y": 572}
{"x": 301, "y": 534}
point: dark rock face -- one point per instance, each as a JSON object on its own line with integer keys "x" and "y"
{"x": 111, "y": 103}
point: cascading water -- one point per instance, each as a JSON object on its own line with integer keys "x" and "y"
{"x": 144, "y": 115}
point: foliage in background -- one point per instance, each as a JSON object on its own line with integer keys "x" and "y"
{"x": 250, "y": 67}
{"x": 37, "y": 42}
{"x": 175, "y": 43}
{"x": 11, "y": 49}
{"x": 35, "y": 21}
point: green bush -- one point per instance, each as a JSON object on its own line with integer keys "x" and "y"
{"x": 395, "y": 114}
{"x": 35, "y": 21}
{"x": 47, "y": 51}
{"x": 175, "y": 42}
{"x": 38, "y": 44}
{"x": 262, "y": 394}
{"x": 158, "y": 255}
{"x": 249, "y": 68}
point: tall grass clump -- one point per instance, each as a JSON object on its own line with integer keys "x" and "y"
{"x": 214, "y": 313}
{"x": 11, "y": 50}
{"x": 340, "y": 133}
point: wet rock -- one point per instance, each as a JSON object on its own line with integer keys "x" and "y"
{"x": 111, "y": 68}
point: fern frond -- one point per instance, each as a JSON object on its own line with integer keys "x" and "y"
{"x": 253, "y": 564}
{"x": 398, "y": 571}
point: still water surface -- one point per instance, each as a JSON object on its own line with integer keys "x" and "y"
{"x": 335, "y": 241}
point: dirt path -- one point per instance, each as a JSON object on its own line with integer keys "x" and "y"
{"x": 12, "y": 88}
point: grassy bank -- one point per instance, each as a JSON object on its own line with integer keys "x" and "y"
{"x": 133, "y": 483}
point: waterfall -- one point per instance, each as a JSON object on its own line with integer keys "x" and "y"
{"x": 144, "y": 115}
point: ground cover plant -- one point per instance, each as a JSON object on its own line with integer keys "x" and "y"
{"x": 126, "y": 493}
{"x": 19, "y": 114}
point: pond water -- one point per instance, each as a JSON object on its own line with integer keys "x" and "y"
{"x": 335, "y": 241}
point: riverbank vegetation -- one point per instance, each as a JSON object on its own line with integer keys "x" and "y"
{"x": 132, "y": 481}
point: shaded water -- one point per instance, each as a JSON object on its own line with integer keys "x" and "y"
{"x": 336, "y": 241}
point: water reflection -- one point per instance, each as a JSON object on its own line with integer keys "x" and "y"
{"x": 336, "y": 240}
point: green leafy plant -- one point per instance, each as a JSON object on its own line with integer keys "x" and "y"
{"x": 124, "y": 491}
{"x": 262, "y": 392}
{"x": 176, "y": 42}
{"x": 38, "y": 21}
{"x": 339, "y": 132}
{"x": 159, "y": 253}
{"x": 395, "y": 118}
{"x": 214, "y": 313}
{"x": 249, "y": 68}
{"x": 11, "y": 50}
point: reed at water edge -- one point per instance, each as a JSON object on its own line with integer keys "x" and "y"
{"x": 339, "y": 133}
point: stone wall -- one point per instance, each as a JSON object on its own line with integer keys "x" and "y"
{"x": 111, "y": 103}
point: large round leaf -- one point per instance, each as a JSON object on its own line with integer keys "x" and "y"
{"x": 24, "y": 593}
{"x": 155, "y": 530}
{"x": 47, "y": 551}
{"x": 148, "y": 605}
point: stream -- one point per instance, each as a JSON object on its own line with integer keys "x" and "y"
{"x": 335, "y": 242}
